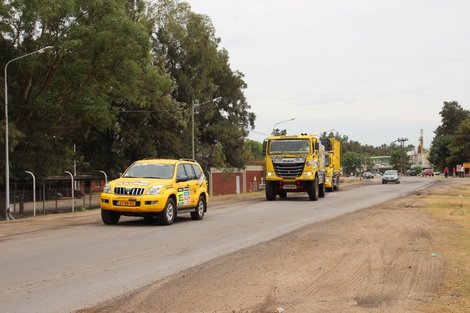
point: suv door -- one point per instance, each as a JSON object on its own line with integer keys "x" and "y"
{"x": 193, "y": 183}
{"x": 183, "y": 182}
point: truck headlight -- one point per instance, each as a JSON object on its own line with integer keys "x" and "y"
{"x": 155, "y": 190}
{"x": 308, "y": 173}
{"x": 269, "y": 174}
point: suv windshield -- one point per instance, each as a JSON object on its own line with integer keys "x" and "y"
{"x": 150, "y": 170}
{"x": 391, "y": 172}
{"x": 289, "y": 146}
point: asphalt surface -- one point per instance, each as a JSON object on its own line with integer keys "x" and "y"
{"x": 64, "y": 269}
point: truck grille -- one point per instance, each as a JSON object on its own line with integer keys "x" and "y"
{"x": 288, "y": 170}
{"x": 129, "y": 191}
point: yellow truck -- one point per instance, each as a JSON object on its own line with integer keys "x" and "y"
{"x": 333, "y": 162}
{"x": 294, "y": 164}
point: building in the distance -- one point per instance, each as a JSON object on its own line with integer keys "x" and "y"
{"x": 420, "y": 155}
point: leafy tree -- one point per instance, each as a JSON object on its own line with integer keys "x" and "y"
{"x": 279, "y": 132}
{"x": 445, "y": 149}
{"x": 253, "y": 152}
{"x": 186, "y": 46}
{"x": 452, "y": 115}
{"x": 97, "y": 91}
{"x": 400, "y": 160}
{"x": 439, "y": 151}
{"x": 355, "y": 163}
{"x": 459, "y": 148}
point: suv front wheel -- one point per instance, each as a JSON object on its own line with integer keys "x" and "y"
{"x": 110, "y": 217}
{"x": 168, "y": 215}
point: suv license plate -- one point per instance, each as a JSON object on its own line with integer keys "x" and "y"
{"x": 126, "y": 203}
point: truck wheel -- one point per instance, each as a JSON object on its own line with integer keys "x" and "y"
{"x": 282, "y": 194}
{"x": 270, "y": 191}
{"x": 336, "y": 186}
{"x": 313, "y": 190}
{"x": 321, "y": 191}
{"x": 168, "y": 215}
{"x": 110, "y": 217}
{"x": 200, "y": 209}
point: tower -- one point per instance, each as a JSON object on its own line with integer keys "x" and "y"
{"x": 421, "y": 142}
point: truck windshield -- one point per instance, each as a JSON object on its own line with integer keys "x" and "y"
{"x": 147, "y": 170}
{"x": 289, "y": 146}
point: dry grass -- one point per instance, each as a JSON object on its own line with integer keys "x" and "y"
{"x": 451, "y": 206}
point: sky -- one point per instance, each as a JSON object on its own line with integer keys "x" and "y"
{"x": 373, "y": 70}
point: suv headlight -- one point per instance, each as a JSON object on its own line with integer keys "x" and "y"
{"x": 155, "y": 190}
{"x": 107, "y": 188}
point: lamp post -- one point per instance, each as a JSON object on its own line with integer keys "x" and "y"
{"x": 402, "y": 143}
{"x": 7, "y": 165}
{"x": 192, "y": 120}
{"x": 274, "y": 126}
{"x": 105, "y": 177}
{"x": 34, "y": 191}
{"x": 73, "y": 198}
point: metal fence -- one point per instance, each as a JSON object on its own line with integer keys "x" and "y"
{"x": 51, "y": 197}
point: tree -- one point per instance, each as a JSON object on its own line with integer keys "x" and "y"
{"x": 439, "y": 151}
{"x": 452, "y": 115}
{"x": 445, "y": 149}
{"x": 355, "y": 163}
{"x": 459, "y": 148}
{"x": 186, "y": 46}
{"x": 400, "y": 160}
{"x": 98, "y": 90}
{"x": 253, "y": 152}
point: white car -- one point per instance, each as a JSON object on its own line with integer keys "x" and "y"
{"x": 391, "y": 176}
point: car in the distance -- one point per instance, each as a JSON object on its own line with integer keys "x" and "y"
{"x": 427, "y": 172}
{"x": 368, "y": 175}
{"x": 391, "y": 176}
{"x": 411, "y": 172}
{"x": 156, "y": 189}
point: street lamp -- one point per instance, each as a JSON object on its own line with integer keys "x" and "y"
{"x": 192, "y": 119}
{"x": 7, "y": 165}
{"x": 402, "y": 142}
{"x": 73, "y": 198}
{"x": 34, "y": 191}
{"x": 274, "y": 126}
{"x": 105, "y": 177}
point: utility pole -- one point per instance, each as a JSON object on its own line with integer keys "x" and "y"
{"x": 402, "y": 143}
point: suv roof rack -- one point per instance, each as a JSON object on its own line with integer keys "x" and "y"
{"x": 187, "y": 159}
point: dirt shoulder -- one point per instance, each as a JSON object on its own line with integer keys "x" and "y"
{"x": 389, "y": 258}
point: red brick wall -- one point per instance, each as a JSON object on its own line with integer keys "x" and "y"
{"x": 225, "y": 183}
{"x": 224, "y": 180}
{"x": 251, "y": 183}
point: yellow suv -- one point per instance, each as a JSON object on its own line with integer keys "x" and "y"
{"x": 156, "y": 189}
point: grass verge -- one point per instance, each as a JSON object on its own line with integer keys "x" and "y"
{"x": 450, "y": 205}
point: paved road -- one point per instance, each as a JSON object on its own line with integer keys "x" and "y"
{"x": 65, "y": 269}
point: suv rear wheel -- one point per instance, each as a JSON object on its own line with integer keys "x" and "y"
{"x": 200, "y": 209}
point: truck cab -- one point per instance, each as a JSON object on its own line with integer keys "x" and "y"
{"x": 294, "y": 164}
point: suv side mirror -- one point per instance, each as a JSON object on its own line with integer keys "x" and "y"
{"x": 181, "y": 178}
